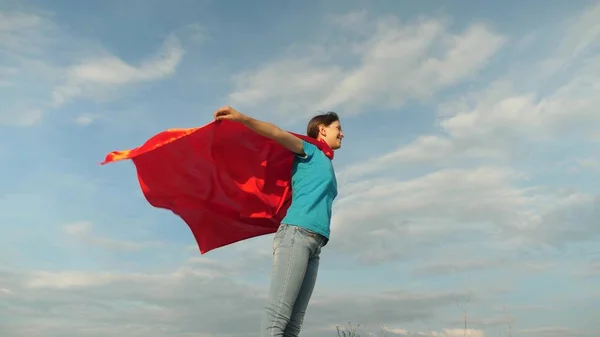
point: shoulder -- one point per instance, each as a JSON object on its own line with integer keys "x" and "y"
{"x": 309, "y": 150}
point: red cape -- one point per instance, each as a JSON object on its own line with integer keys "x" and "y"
{"x": 224, "y": 180}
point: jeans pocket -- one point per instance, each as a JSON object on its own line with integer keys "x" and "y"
{"x": 278, "y": 238}
{"x": 307, "y": 233}
{"x": 280, "y": 229}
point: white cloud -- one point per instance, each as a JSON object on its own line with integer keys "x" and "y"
{"x": 459, "y": 264}
{"x": 76, "y": 279}
{"x": 94, "y": 76}
{"x": 458, "y": 333}
{"x": 78, "y": 228}
{"x": 383, "y": 216}
{"x": 34, "y": 77}
{"x": 23, "y": 32}
{"x": 443, "y": 205}
{"x": 392, "y": 63}
{"x": 426, "y": 149}
{"x": 399, "y": 332}
{"x": 583, "y": 32}
{"x": 24, "y": 117}
{"x": 23, "y": 39}
{"x": 484, "y": 190}
{"x": 388, "y": 218}
{"x": 86, "y": 119}
{"x": 568, "y": 218}
{"x": 504, "y": 321}
{"x": 184, "y": 302}
{"x": 552, "y": 331}
{"x": 595, "y": 137}
{"x": 5, "y": 73}
{"x": 592, "y": 269}
{"x": 83, "y": 232}
{"x": 456, "y": 261}
{"x": 592, "y": 164}
{"x": 512, "y": 116}
{"x": 555, "y": 96}
{"x": 17, "y": 21}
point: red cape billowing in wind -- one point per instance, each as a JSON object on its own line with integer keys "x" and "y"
{"x": 224, "y": 180}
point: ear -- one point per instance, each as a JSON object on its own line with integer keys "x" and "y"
{"x": 322, "y": 130}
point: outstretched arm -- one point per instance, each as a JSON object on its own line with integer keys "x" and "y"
{"x": 266, "y": 129}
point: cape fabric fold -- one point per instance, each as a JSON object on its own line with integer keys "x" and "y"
{"x": 224, "y": 180}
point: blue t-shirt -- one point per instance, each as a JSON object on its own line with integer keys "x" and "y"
{"x": 314, "y": 187}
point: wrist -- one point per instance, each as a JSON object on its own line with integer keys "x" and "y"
{"x": 245, "y": 119}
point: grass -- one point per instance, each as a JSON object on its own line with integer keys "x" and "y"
{"x": 350, "y": 332}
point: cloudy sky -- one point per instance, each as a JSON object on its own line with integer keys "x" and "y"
{"x": 469, "y": 175}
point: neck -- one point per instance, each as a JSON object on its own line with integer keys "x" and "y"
{"x": 325, "y": 148}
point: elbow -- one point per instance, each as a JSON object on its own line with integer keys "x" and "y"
{"x": 277, "y": 134}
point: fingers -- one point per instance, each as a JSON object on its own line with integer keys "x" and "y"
{"x": 225, "y": 112}
{"x": 220, "y": 113}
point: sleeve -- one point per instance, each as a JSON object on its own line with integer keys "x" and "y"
{"x": 309, "y": 149}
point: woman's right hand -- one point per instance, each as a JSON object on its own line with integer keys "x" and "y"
{"x": 229, "y": 113}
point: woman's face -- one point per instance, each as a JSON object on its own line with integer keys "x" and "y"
{"x": 333, "y": 135}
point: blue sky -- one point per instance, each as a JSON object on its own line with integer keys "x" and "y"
{"x": 469, "y": 169}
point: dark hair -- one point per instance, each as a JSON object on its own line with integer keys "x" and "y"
{"x": 312, "y": 129}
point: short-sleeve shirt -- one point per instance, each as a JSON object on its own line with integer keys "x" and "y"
{"x": 314, "y": 187}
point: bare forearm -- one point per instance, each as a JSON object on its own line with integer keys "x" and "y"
{"x": 288, "y": 140}
{"x": 266, "y": 129}
{"x": 275, "y": 133}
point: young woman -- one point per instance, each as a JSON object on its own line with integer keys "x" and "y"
{"x": 305, "y": 228}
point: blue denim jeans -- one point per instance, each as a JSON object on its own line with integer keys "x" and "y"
{"x": 295, "y": 264}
